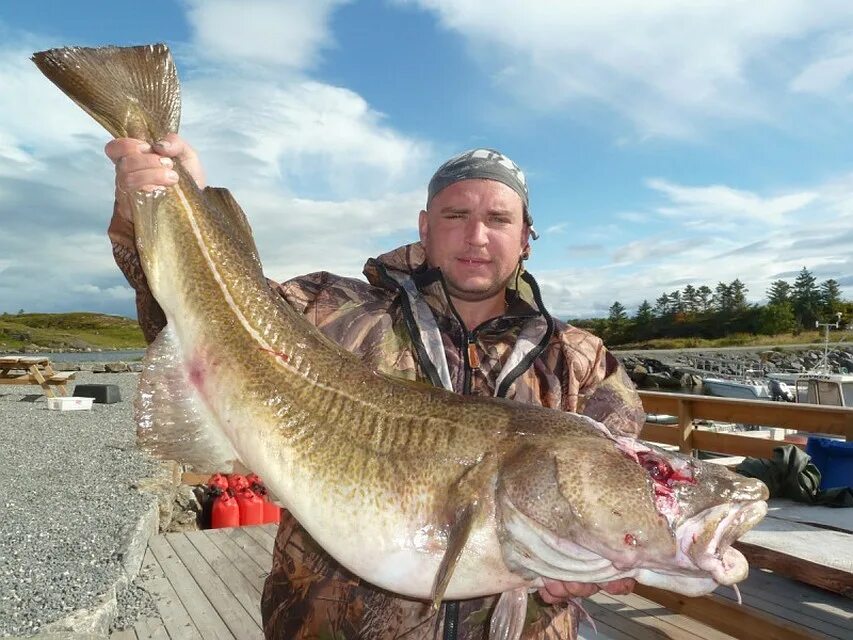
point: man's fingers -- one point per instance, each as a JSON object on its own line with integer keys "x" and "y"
{"x": 122, "y": 147}
{"x": 620, "y": 587}
{"x": 554, "y": 591}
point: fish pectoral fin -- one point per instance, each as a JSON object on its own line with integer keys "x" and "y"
{"x": 465, "y": 504}
{"x": 456, "y": 539}
{"x": 508, "y": 617}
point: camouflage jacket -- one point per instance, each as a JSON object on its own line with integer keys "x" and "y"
{"x": 401, "y": 322}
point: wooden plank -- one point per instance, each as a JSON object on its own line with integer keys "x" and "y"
{"x": 204, "y": 616}
{"x": 245, "y": 592}
{"x": 819, "y": 557}
{"x": 734, "y": 444}
{"x": 235, "y": 617}
{"x": 792, "y": 611}
{"x": 246, "y": 564}
{"x": 838, "y": 519}
{"x": 742, "y": 622}
{"x": 654, "y": 615}
{"x": 123, "y": 634}
{"x": 175, "y": 617}
{"x": 804, "y": 417}
{"x": 660, "y": 433}
{"x": 150, "y": 629}
{"x": 261, "y": 537}
{"x": 610, "y": 613}
{"x": 600, "y": 632}
{"x": 247, "y": 543}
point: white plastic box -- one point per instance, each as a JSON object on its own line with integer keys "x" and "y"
{"x": 69, "y": 403}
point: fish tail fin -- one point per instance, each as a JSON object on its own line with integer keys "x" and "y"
{"x": 131, "y": 91}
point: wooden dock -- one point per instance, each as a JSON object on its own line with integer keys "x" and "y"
{"x": 207, "y": 584}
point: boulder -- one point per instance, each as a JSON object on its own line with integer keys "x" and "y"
{"x": 116, "y": 367}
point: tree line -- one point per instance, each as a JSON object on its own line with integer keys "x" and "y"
{"x": 703, "y": 312}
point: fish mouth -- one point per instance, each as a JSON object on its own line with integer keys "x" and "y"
{"x": 706, "y": 539}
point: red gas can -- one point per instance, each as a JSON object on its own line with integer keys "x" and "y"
{"x": 225, "y": 512}
{"x": 218, "y": 481}
{"x": 237, "y": 483}
{"x": 251, "y": 508}
{"x": 272, "y": 512}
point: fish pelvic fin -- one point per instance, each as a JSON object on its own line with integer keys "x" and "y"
{"x": 507, "y": 621}
{"x": 131, "y": 91}
{"x": 466, "y": 503}
{"x": 172, "y": 421}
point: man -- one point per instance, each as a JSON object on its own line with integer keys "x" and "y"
{"x": 456, "y": 309}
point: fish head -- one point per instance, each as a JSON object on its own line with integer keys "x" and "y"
{"x": 596, "y": 507}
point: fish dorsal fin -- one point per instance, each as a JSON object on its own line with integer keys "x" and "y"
{"x": 172, "y": 421}
{"x": 507, "y": 621}
{"x": 221, "y": 199}
{"x": 464, "y": 507}
{"x": 132, "y": 91}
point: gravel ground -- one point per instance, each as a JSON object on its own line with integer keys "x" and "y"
{"x": 67, "y": 505}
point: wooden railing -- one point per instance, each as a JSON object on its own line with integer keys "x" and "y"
{"x": 810, "y": 418}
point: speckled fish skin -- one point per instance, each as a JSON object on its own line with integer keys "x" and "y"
{"x": 381, "y": 472}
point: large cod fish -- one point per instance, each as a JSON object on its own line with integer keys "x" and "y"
{"x": 417, "y": 490}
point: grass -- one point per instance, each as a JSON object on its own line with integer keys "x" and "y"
{"x": 68, "y": 331}
{"x": 735, "y": 340}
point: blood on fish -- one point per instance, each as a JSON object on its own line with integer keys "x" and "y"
{"x": 196, "y": 374}
{"x": 630, "y": 540}
{"x": 284, "y": 357}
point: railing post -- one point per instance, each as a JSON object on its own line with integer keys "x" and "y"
{"x": 685, "y": 426}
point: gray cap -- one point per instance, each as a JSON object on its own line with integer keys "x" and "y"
{"x": 486, "y": 164}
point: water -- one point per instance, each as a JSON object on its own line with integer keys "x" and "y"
{"x": 129, "y": 355}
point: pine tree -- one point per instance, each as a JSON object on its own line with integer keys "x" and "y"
{"x": 676, "y": 304}
{"x": 805, "y": 298}
{"x": 779, "y": 292}
{"x": 690, "y": 299}
{"x": 738, "y": 295}
{"x": 644, "y": 313}
{"x": 830, "y": 297}
{"x": 662, "y": 306}
{"x": 617, "y": 313}
{"x": 723, "y": 297}
{"x": 705, "y": 297}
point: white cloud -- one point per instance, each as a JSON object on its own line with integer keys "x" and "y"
{"x": 280, "y": 34}
{"x": 809, "y": 228}
{"x": 716, "y": 201}
{"x": 665, "y": 65}
{"x": 832, "y": 67}
{"x": 322, "y": 176}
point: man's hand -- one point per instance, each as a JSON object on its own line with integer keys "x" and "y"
{"x": 144, "y": 167}
{"x": 555, "y": 591}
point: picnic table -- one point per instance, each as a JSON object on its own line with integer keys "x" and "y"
{"x": 34, "y": 370}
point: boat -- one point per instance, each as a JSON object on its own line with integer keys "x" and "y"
{"x": 820, "y": 384}
{"x": 743, "y": 387}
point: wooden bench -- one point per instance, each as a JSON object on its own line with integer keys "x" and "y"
{"x": 34, "y": 370}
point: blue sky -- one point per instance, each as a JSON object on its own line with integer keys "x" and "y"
{"x": 664, "y": 142}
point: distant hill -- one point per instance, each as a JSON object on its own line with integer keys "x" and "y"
{"x": 68, "y": 331}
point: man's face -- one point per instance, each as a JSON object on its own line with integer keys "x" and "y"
{"x": 474, "y": 232}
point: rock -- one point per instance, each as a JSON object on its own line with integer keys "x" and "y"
{"x": 98, "y": 368}
{"x": 116, "y": 367}
{"x": 164, "y": 485}
{"x": 66, "y": 366}
{"x": 135, "y": 367}
{"x": 663, "y": 380}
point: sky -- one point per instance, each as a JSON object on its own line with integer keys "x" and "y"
{"x": 664, "y": 142}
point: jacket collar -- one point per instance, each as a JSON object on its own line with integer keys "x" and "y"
{"x": 388, "y": 269}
